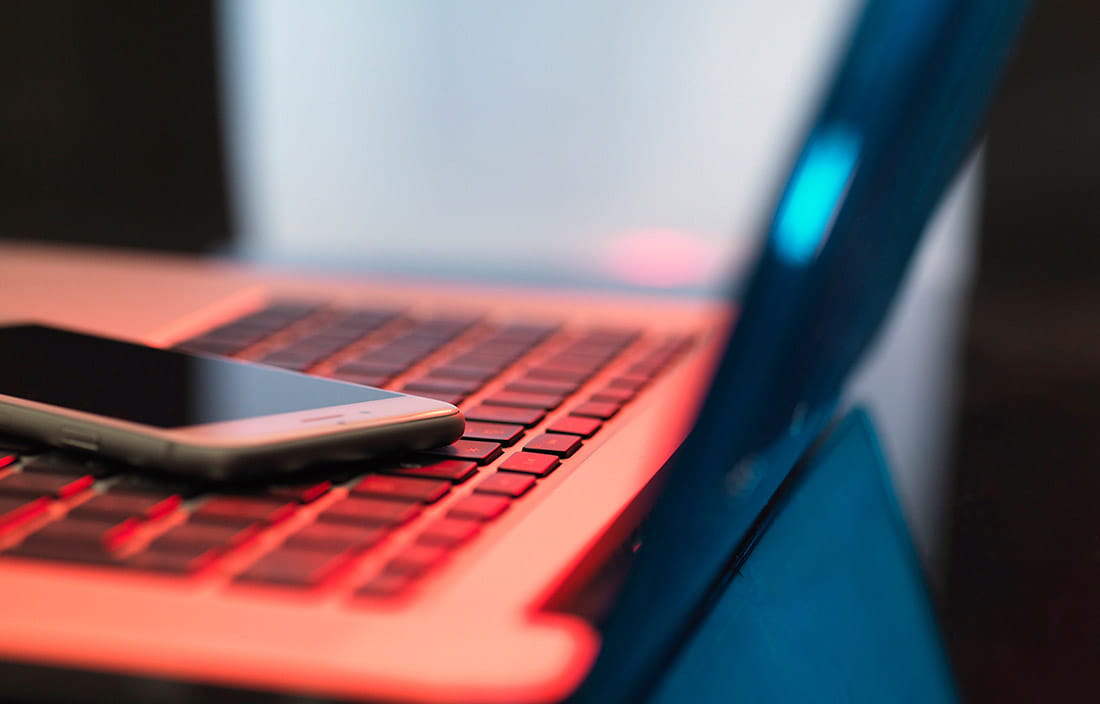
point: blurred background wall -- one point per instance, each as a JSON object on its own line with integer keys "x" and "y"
{"x": 110, "y": 132}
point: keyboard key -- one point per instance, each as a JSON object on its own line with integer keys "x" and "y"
{"x": 646, "y": 368}
{"x": 236, "y": 335}
{"x": 248, "y": 327}
{"x": 392, "y": 355}
{"x": 363, "y": 321}
{"x": 455, "y": 371}
{"x": 118, "y": 505}
{"x": 221, "y": 348}
{"x": 335, "y": 537}
{"x": 595, "y": 346}
{"x": 498, "y": 349}
{"x": 530, "y": 332}
{"x": 94, "y": 535}
{"x": 503, "y": 350}
{"x": 293, "y": 567}
{"x": 362, "y": 379}
{"x": 547, "y": 371}
{"x": 368, "y": 512}
{"x": 634, "y": 382}
{"x": 318, "y": 343}
{"x": 535, "y": 463}
{"x": 615, "y": 394}
{"x": 181, "y": 560}
{"x": 306, "y": 493}
{"x": 504, "y": 433}
{"x": 613, "y": 336}
{"x": 415, "y": 347}
{"x": 659, "y": 355}
{"x": 417, "y": 340}
{"x": 480, "y": 507}
{"x": 582, "y": 364}
{"x": 454, "y": 386}
{"x": 424, "y": 490}
{"x": 412, "y": 342}
{"x": 418, "y": 558}
{"x": 554, "y": 443}
{"x": 524, "y": 400}
{"x": 585, "y": 355}
{"x": 154, "y": 485}
{"x": 450, "y": 325}
{"x": 456, "y": 471}
{"x": 505, "y": 414}
{"x": 16, "y": 510}
{"x": 444, "y": 396}
{"x": 542, "y": 386}
{"x": 491, "y": 365}
{"x": 340, "y": 336}
{"x": 294, "y": 361}
{"x": 243, "y": 510}
{"x": 476, "y": 450}
{"x": 60, "y": 486}
{"x": 346, "y": 334}
{"x": 361, "y": 368}
{"x": 597, "y": 409}
{"x": 575, "y": 425}
{"x": 449, "y": 532}
{"x": 279, "y": 314}
{"x": 386, "y": 585}
{"x": 506, "y": 484}
{"x": 243, "y": 332}
{"x": 190, "y": 537}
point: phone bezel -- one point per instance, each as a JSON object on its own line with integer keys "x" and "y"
{"x": 230, "y": 449}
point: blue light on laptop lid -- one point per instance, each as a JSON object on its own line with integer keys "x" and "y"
{"x": 899, "y": 117}
{"x": 817, "y": 185}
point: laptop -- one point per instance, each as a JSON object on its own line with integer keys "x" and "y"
{"x": 483, "y": 589}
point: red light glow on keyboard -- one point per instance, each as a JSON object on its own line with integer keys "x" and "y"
{"x": 662, "y": 257}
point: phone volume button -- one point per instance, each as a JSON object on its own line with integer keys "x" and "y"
{"x": 79, "y": 439}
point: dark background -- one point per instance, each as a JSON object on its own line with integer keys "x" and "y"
{"x": 109, "y": 133}
{"x": 1022, "y": 594}
{"x": 109, "y": 124}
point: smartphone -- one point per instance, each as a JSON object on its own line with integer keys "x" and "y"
{"x": 203, "y": 416}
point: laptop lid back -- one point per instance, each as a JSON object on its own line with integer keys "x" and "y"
{"x": 900, "y": 115}
{"x": 832, "y": 603}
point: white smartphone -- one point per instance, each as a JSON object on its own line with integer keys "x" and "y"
{"x": 207, "y": 417}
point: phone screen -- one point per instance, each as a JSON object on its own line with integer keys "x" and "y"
{"x": 153, "y": 386}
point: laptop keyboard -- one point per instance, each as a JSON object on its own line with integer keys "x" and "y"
{"x": 533, "y": 395}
